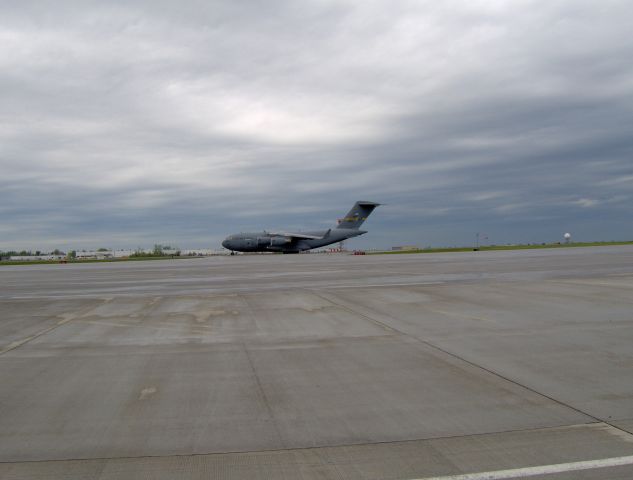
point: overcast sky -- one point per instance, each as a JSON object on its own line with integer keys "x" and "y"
{"x": 127, "y": 123}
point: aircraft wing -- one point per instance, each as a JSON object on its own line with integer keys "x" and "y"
{"x": 300, "y": 235}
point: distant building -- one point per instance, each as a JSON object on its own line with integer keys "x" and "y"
{"x": 98, "y": 255}
{"x": 30, "y": 258}
{"x": 122, "y": 253}
{"x": 109, "y": 254}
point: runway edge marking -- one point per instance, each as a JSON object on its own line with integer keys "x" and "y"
{"x": 539, "y": 470}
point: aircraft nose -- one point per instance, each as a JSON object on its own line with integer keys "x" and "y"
{"x": 226, "y": 243}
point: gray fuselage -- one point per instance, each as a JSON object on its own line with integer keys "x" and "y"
{"x": 267, "y": 242}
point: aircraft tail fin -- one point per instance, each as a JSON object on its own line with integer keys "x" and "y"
{"x": 357, "y": 215}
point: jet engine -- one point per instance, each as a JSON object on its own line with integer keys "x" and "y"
{"x": 279, "y": 241}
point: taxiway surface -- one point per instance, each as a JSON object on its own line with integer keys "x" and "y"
{"x": 320, "y": 366}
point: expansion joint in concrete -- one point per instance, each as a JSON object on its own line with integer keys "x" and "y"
{"x": 336, "y": 301}
{"x": 260, "y": 387}
{"x": 63, "y": 321}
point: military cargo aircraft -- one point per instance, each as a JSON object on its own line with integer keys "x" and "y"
{"x": 295, "y": 242}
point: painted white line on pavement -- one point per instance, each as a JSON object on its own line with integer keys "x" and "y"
{"x": 540, "y": 470}
{"x": 373, "y": 285}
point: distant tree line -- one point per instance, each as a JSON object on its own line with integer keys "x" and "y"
{"x": 24, "y": 253}
{"x": 158, "y": 251}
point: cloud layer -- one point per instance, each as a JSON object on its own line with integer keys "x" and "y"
{"x": 131, "y": 123}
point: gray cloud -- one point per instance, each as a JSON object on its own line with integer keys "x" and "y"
{"x": 127, "y": 123}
